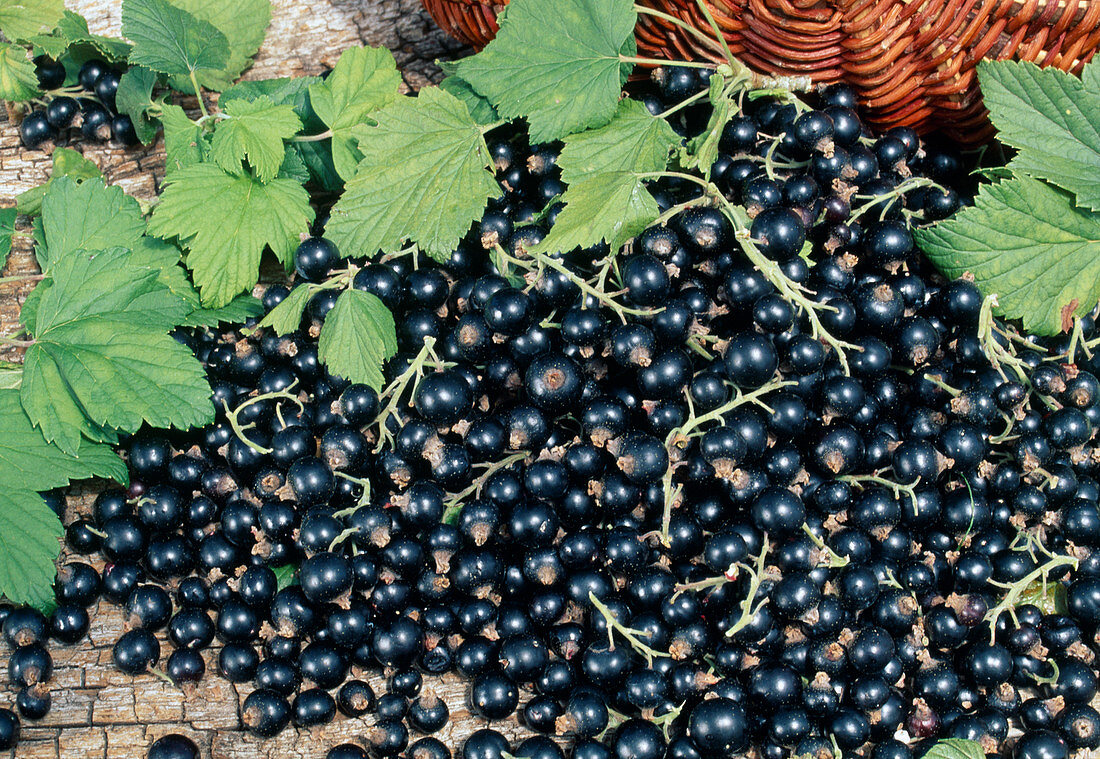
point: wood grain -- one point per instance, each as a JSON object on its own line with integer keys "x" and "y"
{"x": 98, "y": 712}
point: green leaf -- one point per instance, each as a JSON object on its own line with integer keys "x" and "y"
{"x": 287, "y": 316}
{"x": 164, "y": 257}
{"x": 20, "y": 19}
{"x": 238, "y": 310}
{"x": 101, "y": 331}
{"x": 362, "y": 81}
{"x": 555, "y": 63}
{"x": 286, "y": 575}
{"x": 1027, "y": 243}
{"x": 28, "y": 462}
{"x": 292, "y": 91}
{"x": 1049, "y": 597}
{"x": 1052, "y": 119}
{"x": 53, "y": 407}
{"x": 66, "y": 163}
{"x": 611, "y": 207}
{"x": 317, "y": 158}
{"x": 1090, "y": 75}
{"x": 480, "y": 108}
{"x": 11, "y": 377}
{"x": 254, "y": 129}
{"x": 185, "y": 144}
{"x": 135, "y": 97}
{"x": 170, "y": 40}
{"x": 635, "y": 141}
{"x": 88, "y": 216}
{"x": 30, "y": 542}
{"x": 357, "y": 338}
{"x": 423, "y": 177}
{"x": 225, "y": 222}
{"x": 293, "y": 167}
{"x": 702, "y": 150}
{"x": 7, "y": 229}
{"x": 17, "y": 79}
{"x": 243, "y": 23}
{"x": 955, "y": 748}
{"x": 74, "y": 28}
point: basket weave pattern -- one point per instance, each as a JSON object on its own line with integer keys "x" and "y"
{"x": 912, "y": 61}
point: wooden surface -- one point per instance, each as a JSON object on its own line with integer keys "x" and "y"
{"x": 98, "y": 712}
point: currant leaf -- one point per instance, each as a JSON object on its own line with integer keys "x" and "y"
{"x": 634, "y": 141}
{"x": 185, "y": 143}
{"x": 362, "y": 81}
{"x": 74, "y": 29}
{"x": 101, "y": 327}
{"x": 1027, "y": 243}
{"x": 225, "y": 222}
{"x": 170, "y": 40}
{"x": 609, "y": 207}
{"x": 28, "y": 462}
{"x": 135, "y": 98}
{"x": 555, "y": 63}
{"x": 243, "y": 23}
{"x": 287, "y": 316}
{"x": 17, "y": 79}
{"x": 21, "y": 19}
{"x": 357, "y": 338}
{"x": 7, "y": 229}
{"x": 955, "y": 748}
{"x": 424, "y": 177}
{"x": 1054, "y": 121}
{"x": 480, "y": 108}
{"x": 254, "y": 130}
{"x": 240, "y": 309}
{"x": 88, "y": 215}
{"x": 30, "y": 542}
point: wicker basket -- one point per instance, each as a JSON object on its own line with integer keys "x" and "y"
{"x": 913, "y": 61}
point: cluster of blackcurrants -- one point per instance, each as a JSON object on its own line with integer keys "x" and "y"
{"x": 87, "y": 107}
{"x": 636, "y": 502}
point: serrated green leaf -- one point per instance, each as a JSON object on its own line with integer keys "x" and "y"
{"x": 357, "y": 338}
{"x": 30, "y": 542}
{"x": 17, "y": 79}
{"x": 1026, "y": 242}
{"x": 237, "y": 311}
{"x": 1090, "y": 75}
{"x": 101, "y": 333}
{"x": 362, "y": 81}
{"x": 185, "y": 143}
{"x": 1052, "y": 119}
{"x": 164, "y": 257}
{"x": 480, "y": 109}
{"x": 135, "y": 97}
{"x": 244, "y": 24}
{"x": 292, "y": 91}
{"x": 28, "y": 462}
{"x": 255, "y": 131}
{"x": 11, "y": 377}
{"x": 74, "y": 28}
{"x": 89, "y": 215}
{"x": 287, "y": 316}
{"x": 634, "y": 141}
{"x": 555, "y": 63}
{"x": 52, "y": 45}
{"x": 293, "y": 167}
{"x": 225, "y": 222}
{"x": 170, "y": 40}
{"x": 317, "y": 158}
{"x": 423, "y": 177}
{"x": 7, "y": 229}
{"x": 20, "y": 19}
{"x": 66, "y": 163}
{"x": 53, "y": 407}
{"x": 609, "y": 207}
{"x": 702, "y": 150}
{"x": 955, "y": 748}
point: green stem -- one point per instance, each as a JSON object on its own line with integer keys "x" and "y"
{"x": 683, "y": 104}
{"x": 674, "y": 21}
{"x": 457, "y": 501}
{"x": 240, "y": 429}
{"x": 756, "y": 579}
{"x": 630, "y": 634}
{"x": 16, "y": 343}
{"x": 739, "y": 69}
{"x": 896, "y": 487}
{"x": 395, "y": 391}
{"x": 22, "y": 278}
{"x": 836, "y": 561}
{"x": 659, "y": 62}
{"x": 327, "y": 134}
{"x": 198, "y": 94}
{"x": 1016, "y": 589}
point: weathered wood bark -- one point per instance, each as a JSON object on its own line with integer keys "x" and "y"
{"x": 99, "y": 713}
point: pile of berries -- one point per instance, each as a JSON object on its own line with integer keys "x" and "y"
{"x": 87, "y": 107}
{"x": 668, "y": 504}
